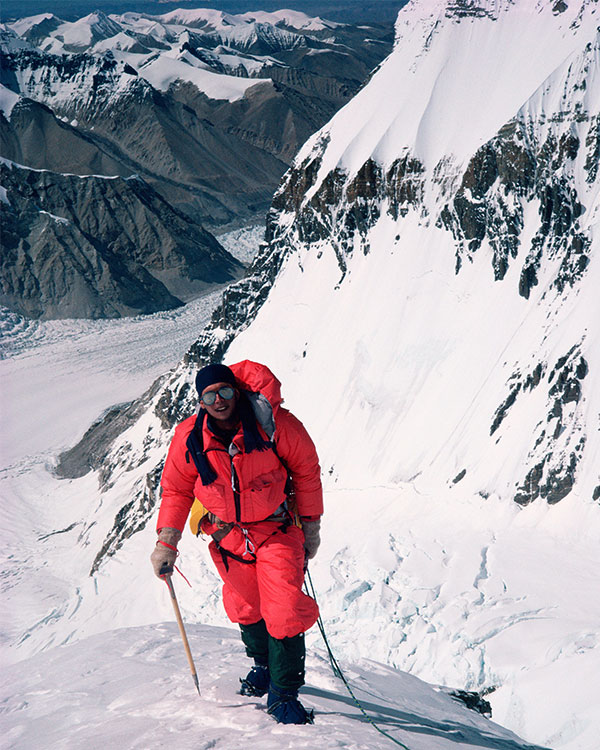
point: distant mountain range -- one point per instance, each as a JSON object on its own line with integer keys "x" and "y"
{"x": 346, "y": 11}
{"x": 206, "y": 108}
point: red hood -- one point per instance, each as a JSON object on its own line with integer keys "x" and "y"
{"x": 252, "y": 376}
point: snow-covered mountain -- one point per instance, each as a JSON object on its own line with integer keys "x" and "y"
{"x": 428, "y": 295}
{"x": 208, "y": 107}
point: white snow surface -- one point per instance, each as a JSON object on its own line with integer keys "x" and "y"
{"x": 163, "y": 71}
{"x": 131, "y": 688}
{"x": 442, "y": 62}
{"x": 23, "y": 25}
{"x": 293, "y": 19}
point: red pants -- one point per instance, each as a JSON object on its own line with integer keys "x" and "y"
{"x": 271, "y": 587}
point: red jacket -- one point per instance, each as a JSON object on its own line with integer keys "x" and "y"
{"x": 260, "y": 475}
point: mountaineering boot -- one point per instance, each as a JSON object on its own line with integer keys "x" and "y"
{"x": 285, "y": 708}
{"x": 256, "y": 641}
{"x": 256, "y": 682}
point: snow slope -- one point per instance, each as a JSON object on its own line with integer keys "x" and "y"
{"x": 461, "y": 79}
{"x": 132, "y": 689}
{"x": 8, "y": 99}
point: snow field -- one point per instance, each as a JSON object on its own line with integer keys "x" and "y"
{"x": 165, "y": 70}
{"x": 131, "y": 688}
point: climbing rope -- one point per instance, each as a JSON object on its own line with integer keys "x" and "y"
{"x": 337, "y": 671}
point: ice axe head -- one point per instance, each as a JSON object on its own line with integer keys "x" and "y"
{"x": 165, "y": 570}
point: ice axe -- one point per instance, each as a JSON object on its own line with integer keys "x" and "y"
{"x": 165, "y": 572}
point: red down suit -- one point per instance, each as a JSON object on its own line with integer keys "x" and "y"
{"x": 249, "y": 492}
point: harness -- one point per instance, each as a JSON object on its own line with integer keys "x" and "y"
{"x": 250, "y": 547}
{"x": 283, "y": 514}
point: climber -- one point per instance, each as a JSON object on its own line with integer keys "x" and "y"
{"x": 253, "y": 469}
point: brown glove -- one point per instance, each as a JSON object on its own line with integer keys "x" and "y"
{"x": 312, "y": 537}
{"x": 165, "y": 553}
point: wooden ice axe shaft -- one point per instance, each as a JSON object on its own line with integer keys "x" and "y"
{"x": 179, "y": 619}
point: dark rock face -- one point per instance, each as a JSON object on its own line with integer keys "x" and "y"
{"x": 36, "y": 137}
{"x": 97, "y": 247}
{"x": 467, "y": 9}
{"x": 473, "y": 700}
{"x": 344, "y": 211}
{"x": 560, "y": 441}
{"x": 92, "y": 450}
{"x": 488, "y": 206}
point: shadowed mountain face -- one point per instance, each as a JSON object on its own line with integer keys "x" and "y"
{"x": 99, "y": 247}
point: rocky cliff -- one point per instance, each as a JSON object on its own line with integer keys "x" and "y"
{"x": 99, "y": 247}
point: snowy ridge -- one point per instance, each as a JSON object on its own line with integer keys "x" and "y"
{"x": 425, "y": 119}
{"x": 132, "y": 688}
{"x": 78, "y": 35}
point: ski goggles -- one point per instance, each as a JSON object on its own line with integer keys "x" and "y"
{"x": 209, "y": 398}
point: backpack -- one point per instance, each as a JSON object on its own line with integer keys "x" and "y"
{"x": 264, "y": 393}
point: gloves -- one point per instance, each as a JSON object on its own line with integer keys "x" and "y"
{"x": 312, "y": 537}
{"x": 163, "y": 555}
